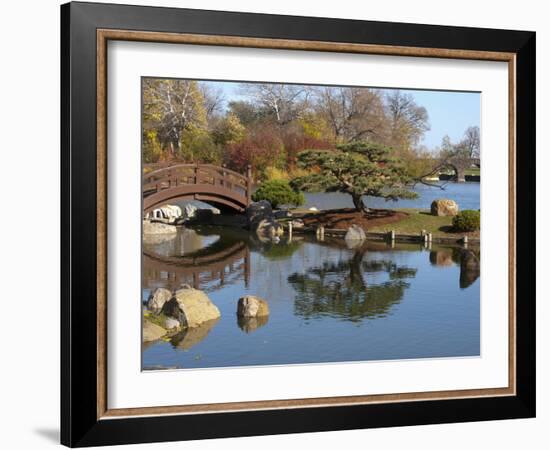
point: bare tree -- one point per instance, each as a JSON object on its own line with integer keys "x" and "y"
{"x": 408, "y": 121}
{"x": 286, "y": 102}
{"x": 470, "y": 142}
{"x": 214, "y": 99}
{"x": 352, "y": 113}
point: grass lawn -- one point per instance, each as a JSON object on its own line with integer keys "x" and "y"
{"x": 412, "y": 224}
{"x": 417, "y": 221}
{"x": 472, "y": 171}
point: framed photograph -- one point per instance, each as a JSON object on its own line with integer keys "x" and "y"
{"x": 277, "y": 224}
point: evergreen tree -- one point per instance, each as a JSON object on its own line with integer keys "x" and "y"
{"x": 358, "y": 169}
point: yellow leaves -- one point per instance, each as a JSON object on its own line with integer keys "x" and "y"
{"x": 314, "y": 126}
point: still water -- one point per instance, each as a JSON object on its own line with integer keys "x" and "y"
{"x": 328, "y": 303}
{"x": 465, "y": 194}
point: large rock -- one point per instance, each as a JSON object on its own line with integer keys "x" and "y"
{"x": 282, "y": 214}
{"x": 269, "y": 228}
{"x": 157, "y": 299}
{"x": 154, "y": 228}
{"x": 189, "y": 211}
{"x": 252, "y": 306}
{"x": 258, "y": 211}
{"x": 191, "y": 307}
{"x": 167, "y": 212}
{"x": 444, "y": 207}
{"x": 170, "y": 323}
{"x": 355, "y": 235}
{"x": 152, "y": 331}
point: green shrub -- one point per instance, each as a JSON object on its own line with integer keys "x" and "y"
{"x": 467, "y": 220}
{"x": 278, "y": 192}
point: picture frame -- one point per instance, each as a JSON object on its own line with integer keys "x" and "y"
{"x": 86, "y": 418}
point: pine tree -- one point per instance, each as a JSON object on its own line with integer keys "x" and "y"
{"x": 359, "y": 168}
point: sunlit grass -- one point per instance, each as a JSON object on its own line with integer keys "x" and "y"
{"x": 417, "y": 221}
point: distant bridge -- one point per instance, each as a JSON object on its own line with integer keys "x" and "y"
{"x": 205, "y": 182}
{"x": 459, "y": 166}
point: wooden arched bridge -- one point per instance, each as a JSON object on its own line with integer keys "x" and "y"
{"x": 212, "y": 184}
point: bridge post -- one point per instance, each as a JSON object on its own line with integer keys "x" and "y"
{"x": 224, "y": 173}
{"x": 249, "y": 184}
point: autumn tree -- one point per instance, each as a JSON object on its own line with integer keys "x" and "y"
{"x": 169, "y": 107}
{"x": 352, "y": 113}
{"x": 247, "y": 112}
{"x": 407, "y": 120}
{"x": 359, "y": 169}
{"x": 229, "y": 130}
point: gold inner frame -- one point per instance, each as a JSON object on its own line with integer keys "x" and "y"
{"x": 103, "y": 36}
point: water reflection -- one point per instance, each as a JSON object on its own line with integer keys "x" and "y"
{"x": 467, "y": 259}
{"x": 342, "y": 290}
{"x": 427, "y": 300}
{"x": 469, "y": 267}
{"x": 204, "y": 261}
{"x": 251, "y": 324}
{"x": 190, "y": 337}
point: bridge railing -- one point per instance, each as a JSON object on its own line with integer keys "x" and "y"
{"x": 195, "y": 174}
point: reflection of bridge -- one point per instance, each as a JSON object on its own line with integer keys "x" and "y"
{"x": 226, "y": 266}
{"x": 205, "y": 182}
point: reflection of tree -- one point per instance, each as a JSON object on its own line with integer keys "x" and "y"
{"x": 340, "y": 290}
{"x": 282, "y": 250}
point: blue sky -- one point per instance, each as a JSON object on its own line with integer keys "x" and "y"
{"x": 450, "y": 113}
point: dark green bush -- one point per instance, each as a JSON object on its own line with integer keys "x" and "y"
{"x": 467, "y": 220}
{"x": 278, "y": 192}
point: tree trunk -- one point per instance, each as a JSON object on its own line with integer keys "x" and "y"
{"x": 358, "y": 203}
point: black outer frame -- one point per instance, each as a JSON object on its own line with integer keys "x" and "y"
{"x": 79, "y": 423}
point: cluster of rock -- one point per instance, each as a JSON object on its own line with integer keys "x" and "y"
{"x": 188, "y": 314}
{"x": 263, "y": 221}
{"x": 175, "y": 215}
{"x": 173, "y": 311}
{"x": 444, "y": 207}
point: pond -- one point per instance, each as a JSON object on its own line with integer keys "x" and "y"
{"x": 465, "y": 194}
{"x": 328, "y": 303}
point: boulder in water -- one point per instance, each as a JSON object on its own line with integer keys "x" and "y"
{"x": 355, "y": 235}
{"x": 157, "y": 299}
{"x": 252, "y": 306}
{"x": 191, "y": 307}
{"x": 152, "y": 331}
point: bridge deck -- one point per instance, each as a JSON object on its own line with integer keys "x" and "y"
{"x": 205, "y": 182}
